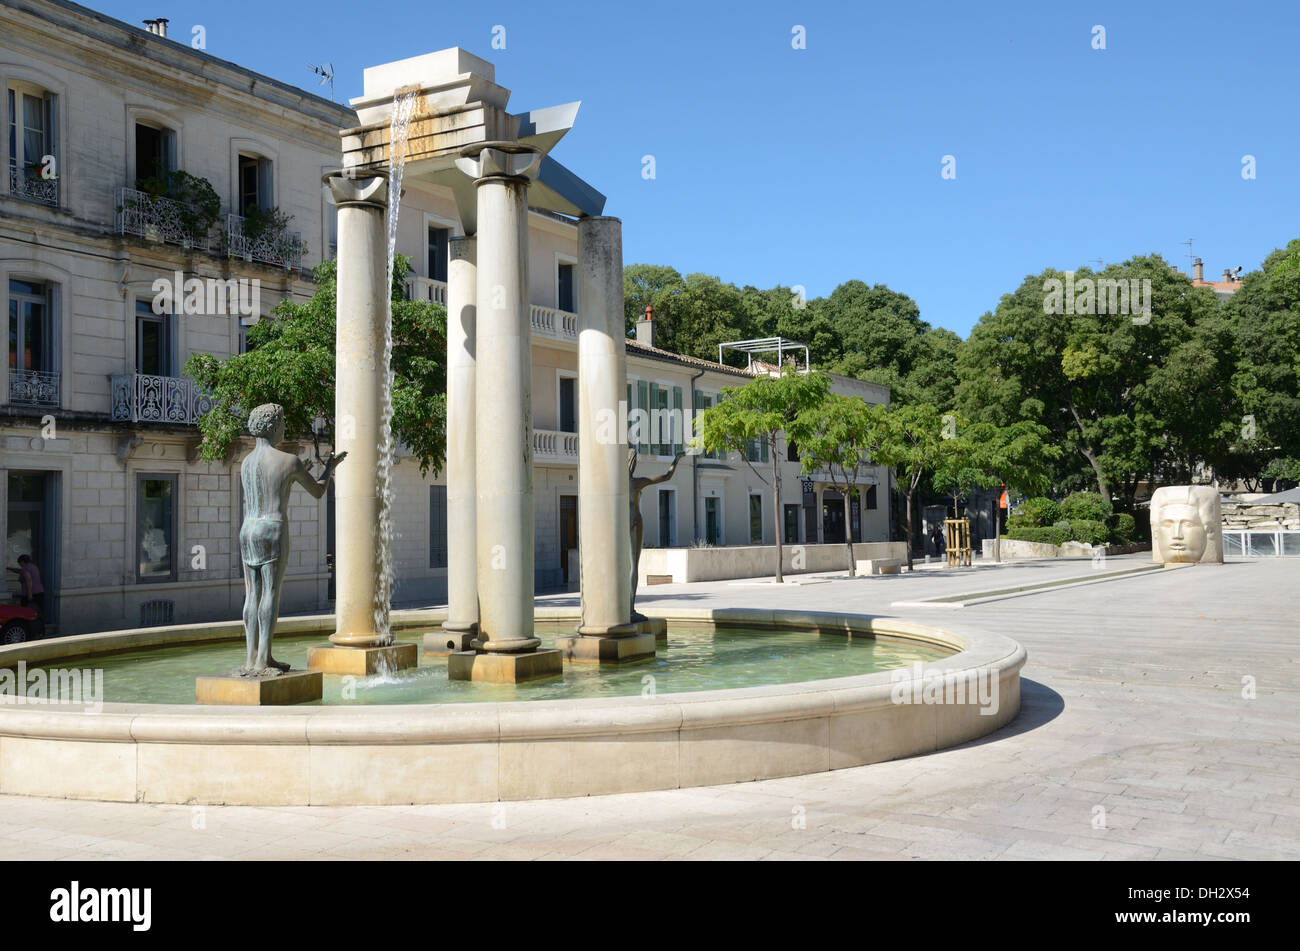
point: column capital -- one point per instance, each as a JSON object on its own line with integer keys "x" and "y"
{"x": 484, "y": 161}
{"x": 344, "y": 189}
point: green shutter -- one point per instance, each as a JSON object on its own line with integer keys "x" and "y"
{"x": 643, "y": 403}
{"x": 678, "y": 421}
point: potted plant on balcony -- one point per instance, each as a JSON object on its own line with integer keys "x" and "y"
{"x": 197, "y": 201}
{"x": 270, "y": 228}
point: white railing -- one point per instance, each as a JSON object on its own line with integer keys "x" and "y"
{"x": 427, "y": 290}
{"x": 158, "y": 219}
{"x": 552, "y": 446}
{"x": 1261, "y": 544}
{"x": 33, "y": 387}
{"x": 280, "y": 250}
{"x": 137, "y": 398}
{"x": 32, "y": 187}
{"x": 556, "y": 324}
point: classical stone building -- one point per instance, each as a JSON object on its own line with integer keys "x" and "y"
{"x": 99, "y": 475}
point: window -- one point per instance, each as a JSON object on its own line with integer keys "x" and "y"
{"x": 33, "y": 368}
{"x": 564, "y": 298}
{"x": 254, "y": 184}
{"x": 155, "y": 152}
{"x": 32, "y": 121}
{"x": 667, "y": 518}
{"x": 756, "y": 519}
{"x": 437, "y": 526}
{"x": 704, "y": 401}
{"x": 756, "y": 449}
{"x": 153, "y": 344}
{"x": 791, "y": 451}
{"x": 713, "y": 520}
{"x": 439, "y": 239}
{"x": 568, "y": 404}
{"x": 871, "y": 498}
{"x": 791, "y": 523}
{"x": 155, "y": 527}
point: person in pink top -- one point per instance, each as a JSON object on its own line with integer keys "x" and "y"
{"x": 29, "y": 584}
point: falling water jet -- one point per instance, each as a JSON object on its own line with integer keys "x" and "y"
{"x": 403, "y": 107}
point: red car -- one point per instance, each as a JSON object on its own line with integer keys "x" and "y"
{"x": 18, "y": 624}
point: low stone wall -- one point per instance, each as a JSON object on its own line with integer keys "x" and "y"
{"x": 1013, "y": 549}
{"x": 1261, "y": 516}
{"x": 755, "y": 561}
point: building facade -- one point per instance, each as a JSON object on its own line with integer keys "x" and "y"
{"x": 100, "y": 479}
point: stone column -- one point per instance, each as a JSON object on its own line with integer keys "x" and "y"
{"x": 362, "y": 310}
{"x": 361, "y": 316}
{"x": 462, "y": 572}
{"x": 605, "y": 546}
{"x": 503, "y": 451}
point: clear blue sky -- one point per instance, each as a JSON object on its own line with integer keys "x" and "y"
{"x": 820, "y": 165}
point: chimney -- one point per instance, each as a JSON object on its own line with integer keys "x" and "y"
{"x": 645, "y": 328}
{"x": 1198, "y": 270}
{"x": 1227, "y": 275}
{"x": 158, "y": 27}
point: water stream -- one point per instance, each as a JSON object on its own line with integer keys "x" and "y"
{"x": 403, "y": 107}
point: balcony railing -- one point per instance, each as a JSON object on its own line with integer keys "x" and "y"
{"x": 33, "y": 387}
{"x": 158, "y": 219}
{"x": 556, "y": 324}
{"x": 32, "y": 187}
{"x": 280, "y": 250}
{"x": 427, "y": 290}
{"x": 552, "y": 446}
{"x": 138, "y": 398}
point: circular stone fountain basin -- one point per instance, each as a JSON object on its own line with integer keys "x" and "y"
{"x": 656, "y": 724}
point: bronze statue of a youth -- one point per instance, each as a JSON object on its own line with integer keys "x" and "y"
{"x": 636, "y": 485}
{"x": 267, "y": 475}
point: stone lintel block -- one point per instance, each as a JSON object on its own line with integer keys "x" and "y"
{"x": 363, "y": 661}
{"x": 504, "y": 668}
{"x": 446, "y": 641}
{"x": 605, "y": 649}
{"x": 295, "y": 686}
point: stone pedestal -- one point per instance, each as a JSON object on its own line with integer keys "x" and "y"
{"x": 295, "y": 686}
{"x": 634, "y": 641}
{"x": 362, "y": 312}
{"x": 499, "y": 668}
{"x": 462, "y": 574}
{"x": 447, "y": 642}
{"x": 363, "y": 661}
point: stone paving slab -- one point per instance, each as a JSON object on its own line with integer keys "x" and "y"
{"x": 1133, "y": 717}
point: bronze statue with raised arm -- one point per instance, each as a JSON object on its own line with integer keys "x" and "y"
{"x": 267, "y": 476}
{"x": 634, "y": 500}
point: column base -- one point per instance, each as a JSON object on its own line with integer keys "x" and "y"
{"x": 447, "y": 641}
{"x": 606, "y": 649}
{"x": 363, "y": 661}
{"x": 294, "y": 686}
{"x": 504, "y": 668}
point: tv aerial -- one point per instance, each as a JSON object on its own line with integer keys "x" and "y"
{"x": 326, "y": 74}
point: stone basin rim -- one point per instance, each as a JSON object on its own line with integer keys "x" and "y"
{"x": 398, "y": 724}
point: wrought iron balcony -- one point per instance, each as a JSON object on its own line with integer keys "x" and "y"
{"x": 33, "y": 387}
{"x": 32, "y": 187}
{"x": 556, "y": 324}
{"x": 137, "y": 398}
{"x": 284, "y": 249}
{"x": 553, "y": 446}
{"x": 158, "y": 219}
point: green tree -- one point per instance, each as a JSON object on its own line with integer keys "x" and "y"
{"x": 758, "y": 413}
{"x": 840, "y": 435}
{"x": 290, "y": 361}
{"x": 911, "y": 443}
{"x": 1265, "y": 321}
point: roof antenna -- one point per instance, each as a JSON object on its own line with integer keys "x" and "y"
{"x": 326, "y": 74}
{"x": 1191, "y": 262}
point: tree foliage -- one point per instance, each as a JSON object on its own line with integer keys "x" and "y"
{"x": 290, "y": 361}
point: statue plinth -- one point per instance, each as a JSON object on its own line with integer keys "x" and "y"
{"x": 448, "y": 640}
{"x": 363, "y": 661}
{"x": 294, "y": 686}
{"x": 498, "y": 668}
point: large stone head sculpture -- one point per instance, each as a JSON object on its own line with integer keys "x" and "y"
{"x": 1186, "y": 525}
{"x": 267, "y": 422}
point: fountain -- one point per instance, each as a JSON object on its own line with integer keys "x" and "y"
{"x": 529, "y": 702}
